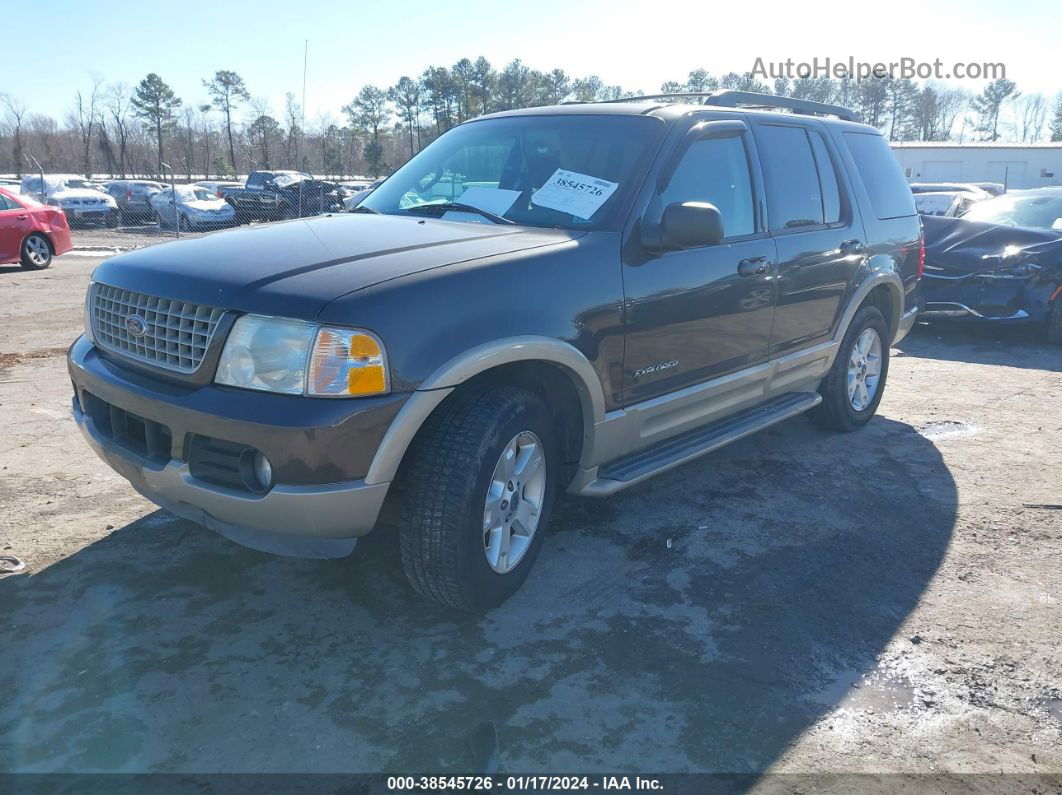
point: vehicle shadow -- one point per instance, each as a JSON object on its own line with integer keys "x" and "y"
{"x": 701, "y": 621}
{"x": 982, "y": 343}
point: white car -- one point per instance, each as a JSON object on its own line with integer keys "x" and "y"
{"x": 193, "y": 207}
{"x": 78, "y": 198}
{"x": 217, "y": 187}
{"x": 949, "y": 203}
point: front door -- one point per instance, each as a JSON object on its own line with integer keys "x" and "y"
{"x": 696, "y": 314}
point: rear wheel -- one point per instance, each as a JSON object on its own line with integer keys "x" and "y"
{"x": 853, "y": 388}
{"x": 36, "y": 252}
{"x": 478, "y": 490}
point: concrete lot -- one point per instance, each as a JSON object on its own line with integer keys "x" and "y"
{"x": 799, "y": 602}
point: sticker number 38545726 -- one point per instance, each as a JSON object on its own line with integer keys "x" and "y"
{"x": 578, "y": 194}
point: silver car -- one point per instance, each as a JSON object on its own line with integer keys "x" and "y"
{"x": 194, "y": 208}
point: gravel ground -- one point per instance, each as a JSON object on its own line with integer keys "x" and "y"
{"x": 800, "y": 602}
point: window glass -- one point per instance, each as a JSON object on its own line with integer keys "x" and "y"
{"x": 831, "y": 194}
{"x": 890, "y": 195}
{"x": 794, "y": 196}
{"x": 7, "y": 204}
{"x": 502, "y": 164}
{"x": 716, "y": 170}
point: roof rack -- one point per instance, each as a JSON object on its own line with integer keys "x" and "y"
{"x": 734, "y": 99}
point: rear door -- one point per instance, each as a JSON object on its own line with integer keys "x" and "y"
{"x": 692, "y": 315}
{"x": 815, "y": 225}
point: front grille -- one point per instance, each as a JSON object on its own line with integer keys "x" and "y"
{"x": 177, "y": 333}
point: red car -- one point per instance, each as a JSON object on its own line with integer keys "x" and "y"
{"x": 31, "y": 233}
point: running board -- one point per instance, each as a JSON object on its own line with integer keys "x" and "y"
{"x": 624, "y": 472}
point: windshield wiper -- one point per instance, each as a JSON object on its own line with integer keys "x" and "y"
{"x": 361, "y": 208}
{"x": 464, "y": 208}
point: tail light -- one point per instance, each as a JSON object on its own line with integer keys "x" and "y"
{"x": 921, "y": 257}
{"x": 128, "y": 195}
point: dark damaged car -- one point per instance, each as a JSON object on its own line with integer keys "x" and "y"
{"x": 999, "y": 263}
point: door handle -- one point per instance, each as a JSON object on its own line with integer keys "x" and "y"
{"x": 21, "y": 217}
{"x": 754, "y": 266}
{"x": 850, "y": 247}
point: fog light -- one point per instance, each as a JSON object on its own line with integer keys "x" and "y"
{"x": 263, "y": 471}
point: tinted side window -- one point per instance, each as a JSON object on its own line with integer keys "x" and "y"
{"x": 831, "y": 194}
{"x": 890, "y": 195}
{"x": 716, "y": 170}
{"x": 7, "y": 204}
{"x": 794, "y": 197}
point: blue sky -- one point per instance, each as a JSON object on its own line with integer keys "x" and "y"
{"x": 635, "y": 44}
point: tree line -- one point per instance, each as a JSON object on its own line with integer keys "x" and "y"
{"x": 122, "y": 130}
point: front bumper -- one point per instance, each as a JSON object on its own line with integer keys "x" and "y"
{"x": 303, "y": 519}
{"x": 985, "y": 299}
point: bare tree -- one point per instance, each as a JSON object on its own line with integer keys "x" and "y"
{"x": 1030, "y": 114}
{"x": 16, "y": 112}
{"x": 83, "y": 118}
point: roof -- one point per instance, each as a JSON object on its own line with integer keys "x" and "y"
{"x": 667, "y": 111}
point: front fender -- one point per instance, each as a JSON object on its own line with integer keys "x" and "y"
{"x": 459, "y": 369}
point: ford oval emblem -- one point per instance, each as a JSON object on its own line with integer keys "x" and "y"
{"x": 136, "y": 325}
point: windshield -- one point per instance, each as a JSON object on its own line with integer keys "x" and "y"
{"x": 1030, "y": 210}
{"x": 80, "y": 184}
{"x": 554, "y": 171}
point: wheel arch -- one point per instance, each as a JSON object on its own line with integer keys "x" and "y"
{"x": 516, "y": 359}
{"x": 882, "y": 289}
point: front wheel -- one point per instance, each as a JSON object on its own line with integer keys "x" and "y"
{"x": 852, "y": 390}
{"x": 36, "y": 253}
{"x": 478, "y": 491}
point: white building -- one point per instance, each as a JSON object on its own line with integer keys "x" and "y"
{"x": 1014, "y": 165}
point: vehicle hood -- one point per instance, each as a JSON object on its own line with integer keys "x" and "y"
{"x": 295, "y": 268}
{"x": 959, "y": 246}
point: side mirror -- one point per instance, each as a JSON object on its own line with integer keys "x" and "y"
{"x": 685, "y": 225}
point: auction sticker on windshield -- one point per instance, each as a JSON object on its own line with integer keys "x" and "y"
{"x": 577, "y": 194}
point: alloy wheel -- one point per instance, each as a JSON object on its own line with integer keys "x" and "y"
{"x": 864, "y": 369}
{"x": 513, "y": 506}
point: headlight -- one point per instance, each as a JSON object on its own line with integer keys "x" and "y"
{"x": 299, "y": 358}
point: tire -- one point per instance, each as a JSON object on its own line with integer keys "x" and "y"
{"x": 36, "y": 252}
{"x": 839, "y": 411}
{"x": 450, "y": 472}
{"x": 1054, "y": 322}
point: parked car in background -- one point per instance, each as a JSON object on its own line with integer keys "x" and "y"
{"x": 218, "y": 187}
{"x": 31, "y": 233}
{"x": 277, "y": 195}
{"x": 82, "y": 200}
{"x": 993, "y": 188}
{"x": 191, "y": 207}
{"x": 951, "y": 204}
{"x": 1001, "y": 262}
{"x": 598, "y": 294}
{"x": 350, "y": 202}
{"x": 133, "y": 197}
{"x": 937, "y": 187}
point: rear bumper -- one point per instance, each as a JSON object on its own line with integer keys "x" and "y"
{"x": 907, "y": 322}
{"x": 951, "y": 309}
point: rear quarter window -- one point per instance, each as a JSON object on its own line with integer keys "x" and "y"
{"x": 890, "y": 195}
